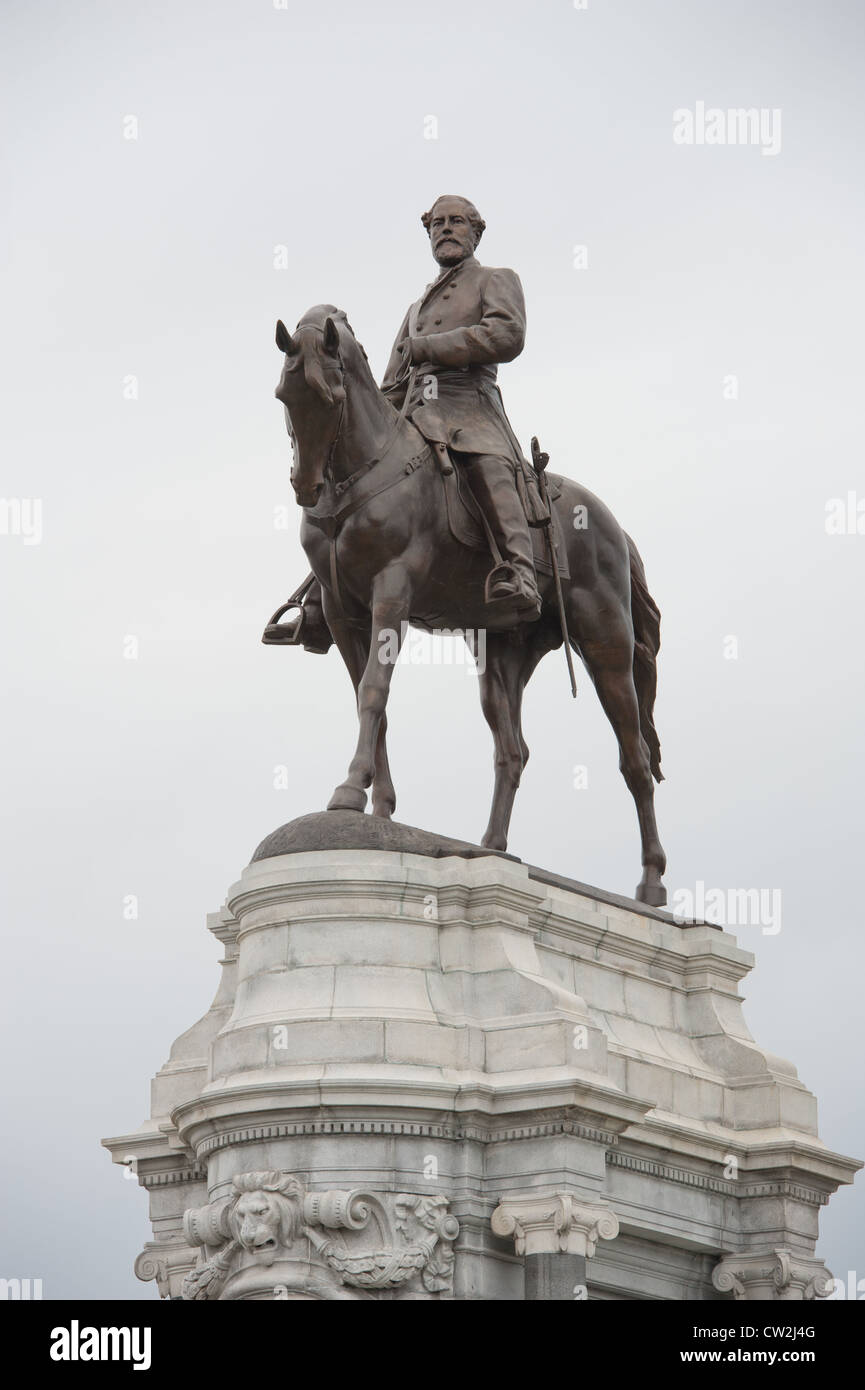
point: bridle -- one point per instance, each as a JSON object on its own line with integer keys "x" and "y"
{"x": 330, "y": 522}
{"x": 315, "y": 328}
{"x": 343, "y": 486}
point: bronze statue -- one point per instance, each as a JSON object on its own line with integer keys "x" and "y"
{"x": 409, "y": 491}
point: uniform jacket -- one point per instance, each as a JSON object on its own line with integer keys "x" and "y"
{"x": 468, "y": 320}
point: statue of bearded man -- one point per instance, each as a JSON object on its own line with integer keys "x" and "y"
{"x": 442, "y": 373}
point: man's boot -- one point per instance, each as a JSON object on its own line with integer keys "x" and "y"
{"x": 307, "y": 629}
{"x": 493, "y": 485}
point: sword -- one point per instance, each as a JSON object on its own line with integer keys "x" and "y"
{"x": 539, "y": 462}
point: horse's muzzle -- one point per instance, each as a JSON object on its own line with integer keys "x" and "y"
{"x": 307, "y": 497}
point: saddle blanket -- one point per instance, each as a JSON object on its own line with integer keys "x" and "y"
{"x": 466, "y": 525}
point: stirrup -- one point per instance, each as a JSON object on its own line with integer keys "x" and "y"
{"x": 518, "y": 597}
{"x": 280, "y": 635}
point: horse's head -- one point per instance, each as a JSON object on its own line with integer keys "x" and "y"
{"x": 312, "y": 389}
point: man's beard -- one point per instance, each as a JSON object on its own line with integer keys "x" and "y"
{"x": 446, "y": 252}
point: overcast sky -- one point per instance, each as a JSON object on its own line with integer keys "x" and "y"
{"x": 141, "y": 284}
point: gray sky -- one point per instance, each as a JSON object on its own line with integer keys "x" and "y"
{"x": 153, "y": 258}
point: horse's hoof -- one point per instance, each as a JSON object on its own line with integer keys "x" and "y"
{"x": 347, "y": 798}
{"x": 653, "y": 894}
{"x": 494, "y": 842}
{"x": 383, "y": 809}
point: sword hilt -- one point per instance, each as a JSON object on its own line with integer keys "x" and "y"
{"x": 539, "y": 459}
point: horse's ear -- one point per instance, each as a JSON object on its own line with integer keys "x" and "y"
{"x": 283, "y": 337}
{"x": 331, "y": 337}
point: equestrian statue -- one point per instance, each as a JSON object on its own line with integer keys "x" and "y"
{"x": 419, "y": 509}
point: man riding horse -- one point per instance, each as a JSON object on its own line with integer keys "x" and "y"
{"x": 442, "y": 374}
{"x": 388, "y": 528}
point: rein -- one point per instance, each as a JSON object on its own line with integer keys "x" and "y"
{"x": 331, "y": 522}
{"x": 343, "y": 486}
{"x": 346, "y": 483}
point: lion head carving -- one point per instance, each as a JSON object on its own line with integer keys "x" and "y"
{"x": 268, "y": 1211}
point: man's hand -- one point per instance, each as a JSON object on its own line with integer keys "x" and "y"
{"x": 418, "y": 351}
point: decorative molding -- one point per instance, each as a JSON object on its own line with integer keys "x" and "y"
{"x": 554, "y": 1224}
{"x": 769, "y": 1275}
{"x": 270, "y": 1221}
{"x": 787, "y": 1189}
{"x": 725, "y": 1187}
{"x": 254, "y": 1134}
{"x": 168, "y": 1179}
{"x": 654, "y": 1168}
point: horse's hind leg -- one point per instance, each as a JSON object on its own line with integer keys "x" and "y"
{"x": 610, "y": 663}
{"x": 506, "y": 670}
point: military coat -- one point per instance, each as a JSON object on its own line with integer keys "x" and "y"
{"x": 467, "y": 321}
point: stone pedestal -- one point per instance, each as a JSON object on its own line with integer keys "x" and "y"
{"x": 434, "y": 1072}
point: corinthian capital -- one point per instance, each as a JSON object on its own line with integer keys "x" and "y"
{"x": 554, "y": 1224}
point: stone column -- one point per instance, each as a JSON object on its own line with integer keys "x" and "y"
{"x": 556, "y": 1235}
{"x": 772, "y": 1275}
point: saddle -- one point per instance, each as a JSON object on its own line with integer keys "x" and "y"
{"x": 466, "y": 524}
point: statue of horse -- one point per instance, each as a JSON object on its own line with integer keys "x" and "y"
{"x": 377, "y": 528}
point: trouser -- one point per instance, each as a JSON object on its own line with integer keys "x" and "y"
{"x": 493, "y": 485}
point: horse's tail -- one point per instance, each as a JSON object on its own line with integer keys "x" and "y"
{"x": 646, "y": 618}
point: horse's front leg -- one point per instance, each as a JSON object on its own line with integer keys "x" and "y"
{"x": 353, "y": 644}
{"x": 383, "y": 791}
{"x": 390, "y": 612}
